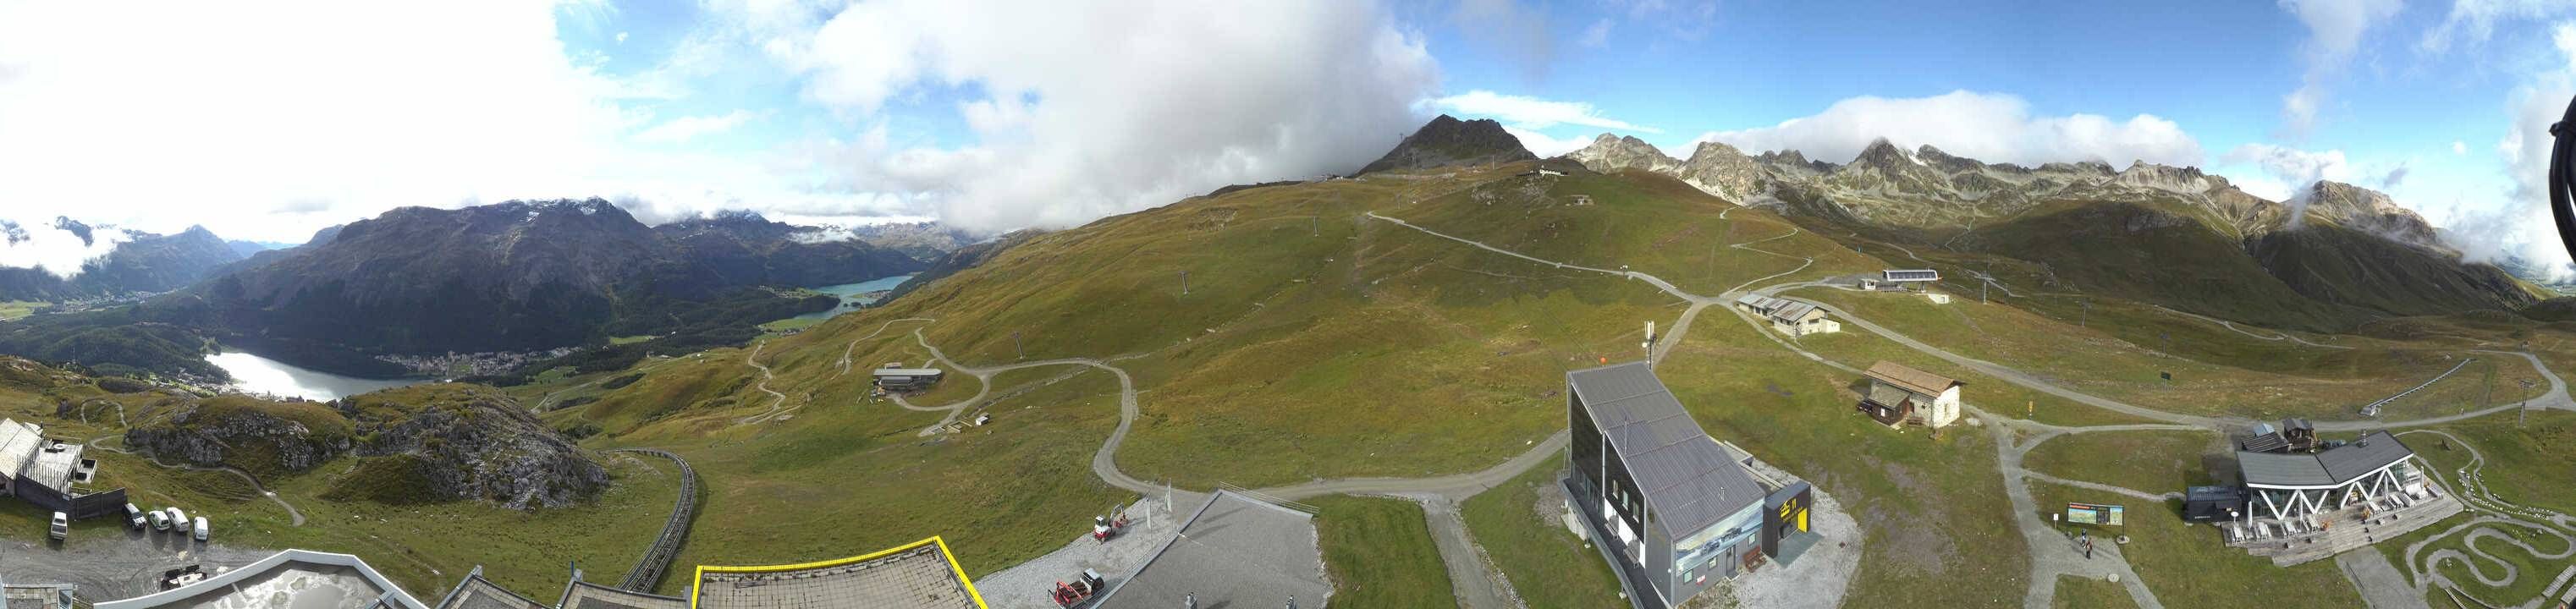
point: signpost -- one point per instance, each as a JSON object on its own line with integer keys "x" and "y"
{"x": 2087, "y": 513}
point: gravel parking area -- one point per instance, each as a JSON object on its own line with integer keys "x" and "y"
{"x": 114, "y": 566}
{"x": 1821, "y": 576}
{"x": 1026, "y": 586}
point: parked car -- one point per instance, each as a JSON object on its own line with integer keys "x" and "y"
{"x": 178, "y": 520}
{"x": 160, "y": 519}
{"x": 62, "y": 526}
{"x": 134, "y": 516}
{"x": 201, "y": 528}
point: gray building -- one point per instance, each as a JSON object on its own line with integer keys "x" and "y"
{"x": 51, "y": 473}
{"x": 1673, "y": 510}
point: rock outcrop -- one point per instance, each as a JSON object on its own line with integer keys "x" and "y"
{"x": 258, "y": 436}
{"x": 476, "y": 443}
{"x": 1449, "y": 142}
{"x": 428, "y": 443}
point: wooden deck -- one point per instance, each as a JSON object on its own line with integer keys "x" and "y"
{"x": 2344, "y": 530}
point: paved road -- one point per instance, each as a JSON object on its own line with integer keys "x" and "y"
{"x": 2382, "y": 587}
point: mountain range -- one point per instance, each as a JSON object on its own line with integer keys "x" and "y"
{"x": 139, "y": 262}
{"x": 513, "y": 276}
{"x": 2331, "y": 257}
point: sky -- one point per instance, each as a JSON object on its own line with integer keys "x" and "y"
{"x": 269, "y": 120}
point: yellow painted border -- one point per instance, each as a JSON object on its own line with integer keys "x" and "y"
{"x": 978, "y": 597}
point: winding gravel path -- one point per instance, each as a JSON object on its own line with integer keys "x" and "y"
{"x": 2050, "y": 557}
{"x": 296, "y": 517}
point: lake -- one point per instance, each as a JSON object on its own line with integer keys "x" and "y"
{"x": 847, "y": 290}
{"x": 255, "y": 374}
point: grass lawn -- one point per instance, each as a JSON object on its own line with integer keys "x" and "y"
{"x": 14, "y": 309}
{"x": 413, "y": 544}
{"x": 2187, "y": 565}
{"x": 622, "y": 340}
{"x": 1380, "y": 554}
{"x": 1929, "y": 504}
{"x": 2089, "y": 593}
{"x": 2149, "y": 461}
{"x": 792, "y": 323}
{"x": 1860, "y": 349}
{"x": 2215, "y": 370}
{"x": 2533, "y": 574}
{"x": 1516, "y": 524}
{"x": 847, "y": 477}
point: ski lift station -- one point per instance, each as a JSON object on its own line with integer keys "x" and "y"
{"x": 1899, "y": 279}
{"x": 1673, "y": 510}
{"x": 895, "y": 377}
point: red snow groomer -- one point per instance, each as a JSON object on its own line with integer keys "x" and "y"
{"x": 1088, "y": 585}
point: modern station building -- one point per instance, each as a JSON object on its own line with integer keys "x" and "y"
{"x": 2293, "y": 485}
{"x": 1669, "y": 506}
{"x": 2301, "y": 506}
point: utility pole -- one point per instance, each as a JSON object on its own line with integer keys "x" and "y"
{"x": 1015, "y": 345}
{"x": 2085, "y": 319}
{"x": 1185, "y": 283}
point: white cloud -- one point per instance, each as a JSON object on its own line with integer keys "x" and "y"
{"x": 621, "y": 38}
{"x": 2459, "y": 147}
{"x": 1598, "y": 35}
{"x": 1542, "y": 145}
{"x": 2472, "y": 21}
{"x": 215, "y": 106}
{"x": 57, "y": 251}
{"x": 2521, "y": 225}
{"x": 2336, "y": 29}
{"x": 1168, "y": 99}
{"x": 1985, "y": 126}
{"x": 1532, "y": 113}
{"x": 2293, "y": 167}
{"x": 686, "y": 128}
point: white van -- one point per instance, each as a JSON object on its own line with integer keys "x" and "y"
{"x": 62, "y": 526}
{"x": 134, "y": 516}
{"x": 160, "y": 519}
{"x": 201, "y": 528}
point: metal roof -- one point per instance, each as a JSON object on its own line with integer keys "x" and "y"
{"x": 921, "y": 575}
{"x": 1912, "y": 275}
{"x": 53, "y": 469}
{"x": 1235, "y": 551}
{"x": 1910, "y": 379}
{"x": 1887, "y": 395}
{"x": 291, "y": 579}
{"x": 2333, "y": 467}
{"x": 18, "y": 444}
{"x": 883, "y": 372}
{"x": 1794, "y": 311}
{"x": 1689, "y": 482}
{"x": 478, "y": 593}
{"x": 585, "y": 595}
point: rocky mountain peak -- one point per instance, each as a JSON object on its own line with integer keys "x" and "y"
{"x": 1944, "y": 161}
{"x": 1449, "y": 142}
{"x": 2368, "y": 210}
{"x": 1883, "y": 155}
{"x": 1610, "y": 152}
{"x": 2185, "y": 180}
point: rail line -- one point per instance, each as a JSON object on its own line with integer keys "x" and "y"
{"x": 657, "y": 559}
